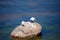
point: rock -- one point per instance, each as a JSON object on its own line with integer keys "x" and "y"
{"x": 28, "y": 29}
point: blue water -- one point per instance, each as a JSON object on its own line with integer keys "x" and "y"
{"x": 46, "y": 12}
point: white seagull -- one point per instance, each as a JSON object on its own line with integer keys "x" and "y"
{"x": 32, "y": 19}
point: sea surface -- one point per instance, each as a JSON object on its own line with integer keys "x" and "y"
{"x": 46, "y": 12}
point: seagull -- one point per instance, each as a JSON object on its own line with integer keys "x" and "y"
{"x": 22, "y": 23}
{"x": 32, "y": 19}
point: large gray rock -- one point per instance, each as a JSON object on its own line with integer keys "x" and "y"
{"x": 27, "y": 30}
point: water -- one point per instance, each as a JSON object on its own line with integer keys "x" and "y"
{"x": 46, "y": 12}
{"x": 49, "y": 24}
